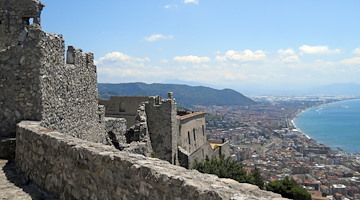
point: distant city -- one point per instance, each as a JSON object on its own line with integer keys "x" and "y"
{"x": 263, "y": 136}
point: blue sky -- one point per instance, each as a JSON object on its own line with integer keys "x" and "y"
{"x": 229, "y": 43}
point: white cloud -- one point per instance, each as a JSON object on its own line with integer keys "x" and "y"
{"x": 285, "y": 52}
{"x": 119, "y": 67}
{"x": 164, "y": 61}
{"x": 192, "y": 1}
{"x": 170, "y": 6}
{"x": 307, "y": 49}
{"x": 290, "y": 59}
{"x": 351, "y": 61}
{"x": 155, "y": 37}
{"x": 288, "y": 56}
{"x": 324, "y": 63}
{"x": 356, "y": 51}
{"x": 244, "y": 56}
{"x": 120, "y": 57}
{"x": 191, "y": 59}
{"x": 282, "y": 67}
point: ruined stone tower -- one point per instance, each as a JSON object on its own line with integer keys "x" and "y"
{"x": 36, "y": 83}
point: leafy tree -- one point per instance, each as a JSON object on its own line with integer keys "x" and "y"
{"x": 288, "y": 188}
{"x": 228, "y": 168}
{"x": 254, "y": 177}
{"x": 223, "y": 167}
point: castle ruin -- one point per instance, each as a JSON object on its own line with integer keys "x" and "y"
{"x": 38, "y": 83}
{"x": 177, "y": 136}
{"x": 49, "y": 105}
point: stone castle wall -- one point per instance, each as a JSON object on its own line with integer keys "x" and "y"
{"x": 123, "y": 107}
{"x": 71, "y": 168}
{"x": 69, "y": 93}
{"x": 163, "y": 128}
{"x": 20, "y": 83}
{"x": 15, "y": 15}
{"x": 37, "y": 84}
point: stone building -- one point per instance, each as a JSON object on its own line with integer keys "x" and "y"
{"x": 193, "y": 143}
{"x": 176, "y": 136}
{"x": 123, "y": 107}
{"x": 38, "y": 82}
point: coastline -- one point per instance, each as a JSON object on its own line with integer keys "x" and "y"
{"x": 300, "y": 131}
{"x": 316, "y": 106}
{"x": 304, "y": 110}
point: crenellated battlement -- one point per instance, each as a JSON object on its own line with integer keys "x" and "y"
{"x": 15, "y": 17}
{"x": 39, "y": 82}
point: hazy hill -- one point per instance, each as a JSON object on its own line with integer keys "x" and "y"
{"x": 186, "y": 96}
{"x": 335, "y": 89}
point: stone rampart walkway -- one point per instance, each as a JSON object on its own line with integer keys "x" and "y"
{"x": 14, "y": 186}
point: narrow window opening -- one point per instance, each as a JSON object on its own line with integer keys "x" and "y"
{"x": 203, "y": 130}
{"x": 189, "y": 136}
{"x": 194, "y": 134}
{"x": 121, "y": 107}
{"x": 28, "y": 20}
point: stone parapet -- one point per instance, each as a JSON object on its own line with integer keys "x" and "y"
{"x": 71, "y": 168}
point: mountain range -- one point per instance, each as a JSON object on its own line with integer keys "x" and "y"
{"x": 186, "y": 96}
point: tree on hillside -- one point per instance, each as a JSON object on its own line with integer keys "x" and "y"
{"x": 254, "y": 177}
{"x": 228, "y": 168}
{"x": 288, "y": 188}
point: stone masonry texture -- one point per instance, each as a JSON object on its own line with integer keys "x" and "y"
{"x": 163, "y": 126}
{"x": 71, "y": 168}
{"x": 35, "y": 81}
{"x": 14, "y": 186}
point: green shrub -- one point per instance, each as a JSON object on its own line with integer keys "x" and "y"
{"x": 288, "y": 188}
{"x": 228, "y": 168}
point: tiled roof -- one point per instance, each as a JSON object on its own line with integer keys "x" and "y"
{"x": 191, "y": 115}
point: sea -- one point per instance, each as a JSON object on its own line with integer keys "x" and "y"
{"x": 336, "y": 125}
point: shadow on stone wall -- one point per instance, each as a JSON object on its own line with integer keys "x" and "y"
{"x": 15, "y": 185}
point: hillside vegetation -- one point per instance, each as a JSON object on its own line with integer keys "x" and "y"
{"x": 186, "y": 96}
